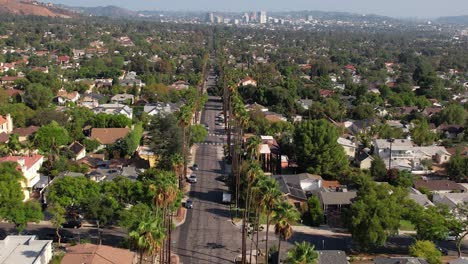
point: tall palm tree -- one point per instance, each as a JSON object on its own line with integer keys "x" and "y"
{"x": 184, "y": 117}
{"x": 284, "y": 215}
{"x": 271, "y": 193}
{"x": 253, "y": 148}
{"x": 252, "y": 171}
{"x": 302, "y": 253}
{"x": 149, "y": 236}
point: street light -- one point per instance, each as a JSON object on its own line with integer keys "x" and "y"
{"x": 391, "y": 140}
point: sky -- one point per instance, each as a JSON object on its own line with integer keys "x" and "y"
{"x": 394, "y": 8}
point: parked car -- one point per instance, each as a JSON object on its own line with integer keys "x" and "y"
{"x": 442, "y": 250}
{"x": 189, "y": 204}
{"x": 72, "y": 224}
{"x": 195, "y": 167}
{"x": 192, "y": 178}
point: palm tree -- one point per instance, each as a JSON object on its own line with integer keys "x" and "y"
{"x": 284, "y": 215}
{"x": 185, "y": 116}
{"x": 13, "y": 144}
{"x": 270, "y": 192}
{"x": 252, "y": 171}
{"x": 149, "y": 236}
{"x": 253, "y": 148}
{"x": 302, "y": 253}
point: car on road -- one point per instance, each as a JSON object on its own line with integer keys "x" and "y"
{"x": 442, "y": 250}
{"x": 192, "y": 178}
{"x": 195, "y": 167}
{"x": 189, "y": 204}
{"x": 72, "y": 224}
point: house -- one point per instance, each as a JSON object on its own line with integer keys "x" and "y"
{"x": 9, "y": 79}
{"x": 419, "y": 198}
{"x": 274, "y": 117}
{"x": 430, "y": 111}
{"x": 450, "y": 131}
{"x": 438, "y": 186}
{"x": 78, "y": 150}
{"x": 97, "y": 254}
{"x": 248, "y": 81}
{"x": 305, "y": 103}
{"x": 114, "y": 109}
{"x": 399, "y": 260}
{"x": 25, "y": 250}
{"x": 29, "y": 166}
{"x": 131, "y": 80}
{"x": 326, "y": 93}
{"x": 363, "y": 160}
{"x": 349, "y": 147}
{"x": 6, "y": 124}
{"x": 180, "y": 85}
{"x": 297, "y": 187}
{"x": 25, "y": 133}
{"x": 333, "y": 203}
{"x": 450, "y": 199}
{"x": 108, "y": 136}
{"x": 160, "y": 108}
{"x": 256, "y": 107}
{"x": 91, "y": 100}
{"x": 64, "y": 97}
{"x": 63, "y": 60}
{"x": 270, "y": 156}
{"x": 128, "y": 99}
{"x": 332, "y": 256}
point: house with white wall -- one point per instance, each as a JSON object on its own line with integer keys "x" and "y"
{"x": 29, "y": 166}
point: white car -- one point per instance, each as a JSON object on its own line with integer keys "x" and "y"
{"x": 192, "y": 178}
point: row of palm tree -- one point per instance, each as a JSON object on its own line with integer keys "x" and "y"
{"x": 153, "y": 235}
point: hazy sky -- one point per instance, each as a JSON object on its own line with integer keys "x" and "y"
{"x": 395, "y": 8}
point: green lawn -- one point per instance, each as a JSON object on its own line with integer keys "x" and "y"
{"x": 406, "y": 225}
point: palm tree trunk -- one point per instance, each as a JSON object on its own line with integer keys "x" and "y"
{"x": 141, "y": 256}
{"x": 279, "y": 249}
{"x": 258, "y": 230}
{"x": 169, "y": 242}
{"x": 267, "y": 235}
{"x": 184, "y": 155}
{"x": 59, "y": 236}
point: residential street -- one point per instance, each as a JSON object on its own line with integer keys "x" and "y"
{"x": 208, "y": 236}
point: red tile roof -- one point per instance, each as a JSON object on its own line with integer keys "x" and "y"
{"x": 29, "y": 161}
{"x": 3, "y": 120}
{"x": 107, "y": 136}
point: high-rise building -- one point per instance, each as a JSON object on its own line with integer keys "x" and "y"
{"x": 262, "y": 17}
{"x": 218, "y": 19}
{"x": 310, "y": 18}
{"x": 253, "y": 17}
{"x": 210, "y": 17}
{"x": 245, "y": 18}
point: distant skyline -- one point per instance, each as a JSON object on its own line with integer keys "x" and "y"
{"x": 395, "y": 8}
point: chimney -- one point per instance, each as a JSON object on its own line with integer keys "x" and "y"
{"x": 9, "y": 123}
{"x": 21, "y": 162}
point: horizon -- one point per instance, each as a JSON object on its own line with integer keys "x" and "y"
{"x": 415, "y": 9}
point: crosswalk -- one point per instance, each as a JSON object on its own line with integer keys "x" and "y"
{"x": 212, "y": 143}
{"x": 216, "y": 134}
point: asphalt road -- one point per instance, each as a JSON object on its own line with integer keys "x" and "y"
{"x": 208, "y": 235}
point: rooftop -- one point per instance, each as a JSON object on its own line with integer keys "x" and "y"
{"x": 108, "y": 136}
{"x": 22, "y": 249}
{"x": 97, "y": 254}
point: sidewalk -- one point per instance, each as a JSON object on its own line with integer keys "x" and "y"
{"x": 179, "y": 219}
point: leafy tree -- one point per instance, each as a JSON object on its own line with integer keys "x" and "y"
{"x": 378, "y": 169}
{"x": 37, "y": 96}
{"x": 431, "y": 223}
{"x": 73, "y": 192}
{"x": 457, "y": 167}
{"x": 404, "y": 179}
{"x": 12, "y": 208}
{"x": 427, "y": 250}
{"x": 302, "y": 253}
{"x": 459, "y": 224}
{"x": 132, "y": 140}
{"x": 315, "y": 211}
{"x": 422, "y": 134}
{"x": 318, "y": 150}
{"x": 453, "y": 114}
{"x": 91, "y": 144}
{"x": 20, "y": 113}
{"x": 198, "y": 133}
{"x": 57, "y": 213}
{"x": 51, "y": 135}
{"x": 375, "y": 213}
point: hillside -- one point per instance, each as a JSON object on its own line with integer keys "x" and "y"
{"x": 461, "y": 20}
{"x": 32, "y": 8}
{"x": 108, "y": 11}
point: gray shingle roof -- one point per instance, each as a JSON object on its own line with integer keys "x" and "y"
{"x": 334, "y": 198}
